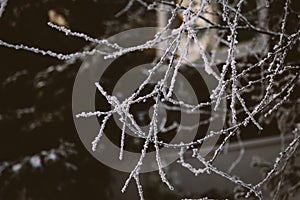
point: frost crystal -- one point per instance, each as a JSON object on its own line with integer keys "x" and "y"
{"x": 35, "y": 161}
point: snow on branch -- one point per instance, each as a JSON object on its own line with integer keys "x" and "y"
{"x": 3, "y": 4}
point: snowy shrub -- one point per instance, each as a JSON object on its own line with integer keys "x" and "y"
{"x": 257, "y": 75}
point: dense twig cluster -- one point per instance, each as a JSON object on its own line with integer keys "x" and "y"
{"x": 270, "y": 74}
